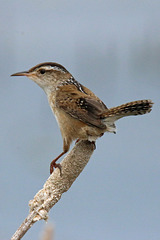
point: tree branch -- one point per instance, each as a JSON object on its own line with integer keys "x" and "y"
{"x": 56, "y": 185}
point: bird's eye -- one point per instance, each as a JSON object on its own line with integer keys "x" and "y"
{"x": 42, "y": 71}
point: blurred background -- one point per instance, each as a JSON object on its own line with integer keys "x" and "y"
{"x": 112, "y": 47}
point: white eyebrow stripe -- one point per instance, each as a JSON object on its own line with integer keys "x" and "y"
{"x": 53, "y": 68}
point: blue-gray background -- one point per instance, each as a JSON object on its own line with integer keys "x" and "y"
{"x": 112, "y": 47}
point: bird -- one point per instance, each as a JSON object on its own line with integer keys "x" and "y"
{"x": 80, "y": 114}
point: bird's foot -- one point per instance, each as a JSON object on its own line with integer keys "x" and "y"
{"x": 77, "y": 140}
{"x": 55, "y": 165}
{"x": 93, "y": 144}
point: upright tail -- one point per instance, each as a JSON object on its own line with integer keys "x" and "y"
{"x": 132, "y": 108}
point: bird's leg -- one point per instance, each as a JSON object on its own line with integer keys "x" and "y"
{"x": 94, "y": 145}
{"x": 66, "y": 145}
{"x": 77, "y": 140}
{"x": 53, "y": 164}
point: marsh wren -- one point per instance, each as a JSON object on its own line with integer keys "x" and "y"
{"x": 79, "y": 112}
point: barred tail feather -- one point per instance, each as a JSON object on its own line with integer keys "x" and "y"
{"x": 132, "y": 108}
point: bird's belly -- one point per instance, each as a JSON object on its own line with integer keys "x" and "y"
{"x": 71, "y": 128}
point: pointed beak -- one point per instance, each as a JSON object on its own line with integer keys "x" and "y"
{"x": 26, "y": 73}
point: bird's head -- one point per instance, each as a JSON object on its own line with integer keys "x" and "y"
{"x": 47, "y": 75}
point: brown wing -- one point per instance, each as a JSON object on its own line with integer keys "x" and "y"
{"x": 79, "y": 105}
{"x": 90, "y": 93}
